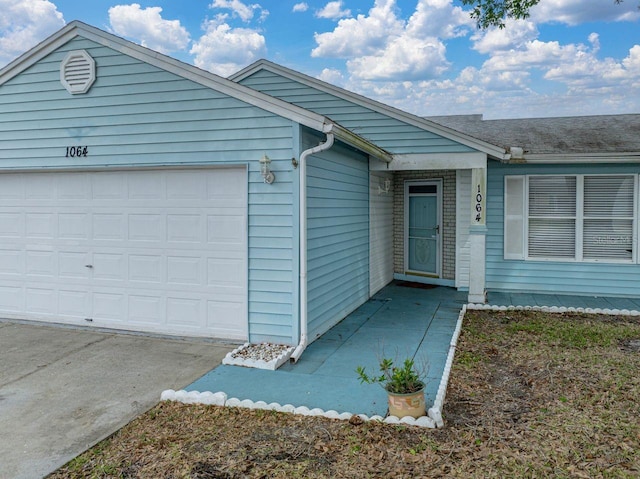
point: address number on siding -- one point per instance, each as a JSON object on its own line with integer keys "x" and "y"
{"x": 77, "y": 151}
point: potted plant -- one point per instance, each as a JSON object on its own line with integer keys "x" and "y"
{"x": 404, "y": 386}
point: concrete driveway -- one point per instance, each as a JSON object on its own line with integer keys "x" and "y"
{"x": 62, "y": 389}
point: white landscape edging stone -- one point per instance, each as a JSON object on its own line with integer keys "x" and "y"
{"x": 435, "y": 411}
{"x": 220, "y": 399}
{"x": 554, "y": 309}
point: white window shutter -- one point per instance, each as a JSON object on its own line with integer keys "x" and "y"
{"x": 514, "y": 217}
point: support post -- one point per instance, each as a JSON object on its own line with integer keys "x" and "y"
{"x": 477, "y": 236}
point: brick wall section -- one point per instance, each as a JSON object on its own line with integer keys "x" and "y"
{"x": 448, "y": 178}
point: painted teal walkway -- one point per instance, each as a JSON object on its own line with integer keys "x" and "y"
{"x": 399, "y": 321}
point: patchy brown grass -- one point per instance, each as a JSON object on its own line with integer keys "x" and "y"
{"x": 531, "y": 395}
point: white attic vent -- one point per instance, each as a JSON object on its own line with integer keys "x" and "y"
{"x": 77, "y": 72}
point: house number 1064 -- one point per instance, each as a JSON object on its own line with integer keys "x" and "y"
{"x": 76, "y": 151}
{"x": 479, "y": 205}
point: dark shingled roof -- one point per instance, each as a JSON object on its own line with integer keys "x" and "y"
{"x": 560, "y": 135}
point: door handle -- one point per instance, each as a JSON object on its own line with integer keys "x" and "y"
{"x": 88, "y": 266}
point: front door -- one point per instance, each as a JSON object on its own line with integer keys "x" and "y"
{"x": 422, "y": 228}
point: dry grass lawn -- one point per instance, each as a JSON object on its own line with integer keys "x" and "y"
{"x": 531, "y": 395}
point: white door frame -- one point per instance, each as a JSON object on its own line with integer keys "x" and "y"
{"x": 430, "y": 182}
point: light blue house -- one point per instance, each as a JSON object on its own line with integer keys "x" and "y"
{"x": 141, "y": 193}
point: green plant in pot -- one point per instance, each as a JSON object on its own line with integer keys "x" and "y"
{"x": 404, "y": 386}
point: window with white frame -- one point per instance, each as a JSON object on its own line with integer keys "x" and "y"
{"x": 571, "y": 217}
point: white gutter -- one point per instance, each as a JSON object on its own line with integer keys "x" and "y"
{"x": 304, "y": 339}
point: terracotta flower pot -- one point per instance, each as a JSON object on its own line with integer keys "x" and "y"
{"x": 412, "y": 404}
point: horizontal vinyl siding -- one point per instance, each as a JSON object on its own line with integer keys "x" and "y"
{"x": 137, "y": 115}
{"x": 388, "y": 133}
{"x": 338, "y": 238}
{"x": 599, "y": 279}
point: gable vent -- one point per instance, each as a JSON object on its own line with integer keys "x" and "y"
{"x": 77, "y": 72}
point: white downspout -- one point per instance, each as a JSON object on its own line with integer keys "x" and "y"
{"x": 303, "y": 242}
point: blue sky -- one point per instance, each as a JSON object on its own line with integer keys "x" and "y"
{"x": 571, "y": 57}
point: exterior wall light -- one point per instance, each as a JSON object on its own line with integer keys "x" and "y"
{"x": 384, "y": 186}
{"x": 266, "y": 173}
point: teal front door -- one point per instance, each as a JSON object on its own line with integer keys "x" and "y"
{"x": 423, "y": 229}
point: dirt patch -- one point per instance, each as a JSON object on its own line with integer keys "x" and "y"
{"x": 531, "y": 395}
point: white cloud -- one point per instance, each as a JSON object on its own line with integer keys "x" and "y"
{"x": 405, "y": 57}
{"x": 381, "y": 46}
{"x": 224, "y": 50}
{"x": 333, "y": 11}
{"x": 569, "y": 80}
{"x": 362, "y": 35}
{"x": 243, "y": 11}
{"x": 514, "y": 35}
{"x": 24, "y": 23}
{"x": 300, "y": 7}
{"x": 574, "y": 12}
{"x": 439, "y": 18}
{"x": 333, "y": 76}
{"x": 147, "y": 26}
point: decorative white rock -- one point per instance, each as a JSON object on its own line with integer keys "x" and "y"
{"x": 261, "y": 356}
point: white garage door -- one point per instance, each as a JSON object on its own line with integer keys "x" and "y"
{"x": 159, "y": 251}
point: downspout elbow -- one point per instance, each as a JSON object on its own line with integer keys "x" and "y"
{"x": 304, "y": 336}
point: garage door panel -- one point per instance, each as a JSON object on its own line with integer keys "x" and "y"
{"x": 226, "y": 230}
{"x": 72, "y": 186}
{"x": 38, "y": 187}
{"x": 184, "y": 228}
{"x": 74, "y": 304}
{"x": 225, "y": 273}
{"x": 146, "y": 268}
{"x": 109, "y": 267}
{"x": 109, "y": 307}
{"x": 145, "y": 185}
{"x": 73, "y": 265}
{"x": 40, "y": 225}
{"x": 11, "y": 225}
{"x": 158, "y": 250}
{"x": 42, "y": 301}
{"x": 186, "y": 185}
{"x": 223, "y": 188}
{"x": 184, "y": 312}
{"x": 184, "y": 270}
{"x": 12, "y": 262}
{"x": 73, "y": 226}
{"x": 110, "y": 186}
{"x": 108, "y": 227}
{"x": 41, "y": 263}
{"x": 146, "y": 309}
{"x": 146, "y": 227}
{"x": 11, "y": 299}
{"x": 220, "y": 316}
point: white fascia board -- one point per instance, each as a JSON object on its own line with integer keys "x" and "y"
{"x": 38, "y": 52}
{"x": 390, "y": 111}
{"x": 433, "y": 161}
{"x": 578, "y": 158}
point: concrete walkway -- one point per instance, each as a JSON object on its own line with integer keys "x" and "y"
{"x": 62, "y": 390}
{"x": 398, "y": 322}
